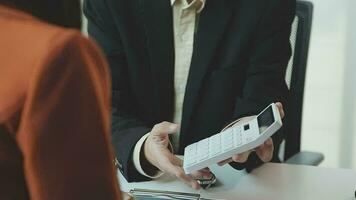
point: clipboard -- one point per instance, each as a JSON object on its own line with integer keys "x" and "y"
{"x": 142, "y": 194}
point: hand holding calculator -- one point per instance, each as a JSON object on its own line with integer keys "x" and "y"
{"x": 234, "y": 140}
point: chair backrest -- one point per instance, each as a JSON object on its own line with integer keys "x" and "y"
{"x": 295, "y": 77}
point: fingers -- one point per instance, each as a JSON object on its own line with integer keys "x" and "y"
{"x": 224, "y": 162}
{"x": 165, "y": 128}
{"x": 239, "y": 158}
{"x": 202, "y": 174}
{"x": 280, "y": 108}
{"x": 175, "y": 160}
{"x": 179, "y": 173}
{"x": 174, "y": 167}
{"x": 265, "y": 151}
{"x": 207, "y": 170}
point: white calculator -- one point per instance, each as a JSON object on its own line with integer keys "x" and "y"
{"x": 234, "y": 140}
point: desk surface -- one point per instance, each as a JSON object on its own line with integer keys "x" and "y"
{"x": 271, "y": 181}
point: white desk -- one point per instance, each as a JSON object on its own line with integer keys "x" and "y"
{"x": 270, "y": 182}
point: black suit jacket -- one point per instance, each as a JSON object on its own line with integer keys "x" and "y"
{"x": 241, "y": 51}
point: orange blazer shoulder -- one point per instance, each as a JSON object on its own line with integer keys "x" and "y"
{"x": 55, "y": 108}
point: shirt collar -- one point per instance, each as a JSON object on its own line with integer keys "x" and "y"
{"x": 199, "y": 9}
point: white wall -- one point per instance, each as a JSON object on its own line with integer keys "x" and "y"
{"x": 349, "y": 115}
{"x": 329, "y": 109}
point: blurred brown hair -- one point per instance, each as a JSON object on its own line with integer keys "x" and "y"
{"x": 66, "y": 13}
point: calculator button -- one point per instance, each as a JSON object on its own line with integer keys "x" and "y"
{"x": 227, "y": 141}
{"x": 247, "y": 127}
{"x": 215, "y": 152}
{"x": 238, "y": 140}
{"x": 237, "y": 129}
{"x": 228, "y": 147}
{"x": 204, "y": 144}
{"x": 190, "y": 161}
{"x": 215, "y": 145}
{"x": 204, "y": 156}
{"x": 228, "y": 135}
{"x": 238, "y": 136}
{"x": 191, "y": 149}
{"x": 203, "y": 149}
{"x": 248, "y": 139}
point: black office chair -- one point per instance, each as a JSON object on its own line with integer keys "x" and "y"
{"x": 295, "y": 79}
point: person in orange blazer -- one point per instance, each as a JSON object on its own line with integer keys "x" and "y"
{"x": 54, "y": 107}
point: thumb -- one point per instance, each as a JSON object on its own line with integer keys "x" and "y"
{"x": 165, "y": 128}
{"x": 280, "y": 109}
{"x": 265, "y": 152}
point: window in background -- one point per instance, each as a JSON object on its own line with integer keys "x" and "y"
{"x": 324, "y": 129}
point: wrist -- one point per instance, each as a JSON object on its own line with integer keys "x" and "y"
{"x": 147, "y": 157}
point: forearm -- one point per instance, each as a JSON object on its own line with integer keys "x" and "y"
{"x": 126, "y": 133}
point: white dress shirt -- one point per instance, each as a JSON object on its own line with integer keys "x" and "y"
{"x": 185, "y": 19}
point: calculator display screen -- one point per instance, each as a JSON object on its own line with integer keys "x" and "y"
{"x": 265, "y": 119}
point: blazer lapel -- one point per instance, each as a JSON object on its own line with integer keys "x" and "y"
{"x": 213, "y": 22}
{"x": 158, "y": 22}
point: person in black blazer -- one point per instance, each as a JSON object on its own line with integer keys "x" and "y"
{"x": 240, "y": 55}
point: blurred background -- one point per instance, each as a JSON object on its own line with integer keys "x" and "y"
{"x": 329, "y": 115}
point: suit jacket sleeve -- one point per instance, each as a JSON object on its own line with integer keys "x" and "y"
{"x": 64, "y": 128}
{"x": 127, "y": 128}
{"x": 265, "y": 80}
